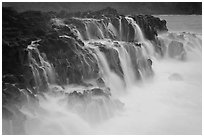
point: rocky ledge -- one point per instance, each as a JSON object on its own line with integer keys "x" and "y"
{"x": 31, "y": 39}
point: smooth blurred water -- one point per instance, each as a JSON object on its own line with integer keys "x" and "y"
{"x": 183, "y": 23}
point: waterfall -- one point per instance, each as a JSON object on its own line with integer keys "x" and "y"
{"x": 120, "y": 83}
{"x": 132, "y": 62}
{"x": 112, "y": 30}
{"x": 126, "y": 66}
{"x": 138, "y": 33}
{"x": 100, "y": 29}
{"x": 43, "y": 71}
{"x": 93, "y": 30}
{"x": 121, "y": 65}
{"x": 112, "y": 80}
{"x": 120, "y": 28}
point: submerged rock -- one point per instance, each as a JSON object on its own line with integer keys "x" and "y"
{"x": 176, "y": 50}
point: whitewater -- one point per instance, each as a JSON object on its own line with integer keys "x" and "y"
{"x": 165, "y": 99}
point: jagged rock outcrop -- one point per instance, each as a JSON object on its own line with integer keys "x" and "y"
{"x": 150, "y": 25}
{"x": 95, "y": 101}
{"x": 71, "y": 61}
{"x": 19, "y": 29}
{"x": 36, "y": 43}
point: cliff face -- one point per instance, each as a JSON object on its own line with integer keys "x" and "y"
{"x": 50, "y": 48}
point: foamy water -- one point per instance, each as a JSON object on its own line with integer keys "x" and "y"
{"x": 163, "y": 105}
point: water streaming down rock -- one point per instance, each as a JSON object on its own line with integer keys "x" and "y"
{"x": 85, "y": 68}
{"x": 127, "y": 67}
{"x": 43, "y": 71}
{"x": 133, "y": 34}
{"x": 112, "y": 80}
{"x": 121, "y": 28}
{"x": 120, "y": 63}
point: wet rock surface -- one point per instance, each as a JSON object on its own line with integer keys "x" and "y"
{"x": 150, "y": 25}
{"x": 97, "y": 101}
{"x": 176, "y": 50}
{"x": 27, "y": 66}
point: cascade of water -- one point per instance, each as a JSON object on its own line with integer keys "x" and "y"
{"x": 99, "y": 28}
{"x": 38, "y": 64}
{"x": 126, "y": 65}
{"x": 93, "y": 30}
{"x": 112, "y": 30}
{"x": 112, "y": 80}
{"x": 139, "y": 35}
{"x": 120, "y": 28}
{"x": 86, "y": 31}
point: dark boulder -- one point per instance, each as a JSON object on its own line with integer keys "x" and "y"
{"x": 100, "y": 82}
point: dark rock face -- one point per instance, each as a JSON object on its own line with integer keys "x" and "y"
{"x": 19, "y": 29}
{"x": 70, "y": 60}
{"x": 150, "y": 25}
{"x": 127, "y": 31}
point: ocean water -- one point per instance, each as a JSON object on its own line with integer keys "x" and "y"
{"x": 183, "y": 23}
